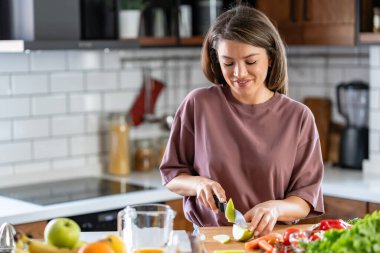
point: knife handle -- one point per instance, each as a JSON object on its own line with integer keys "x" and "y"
{"x": 219, "y": 205}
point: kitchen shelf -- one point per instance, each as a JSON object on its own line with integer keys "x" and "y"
{"x": 191, "y": 41}
{"x": 141, "y": 42}
{"x": 157, "y": 41}
{"x": 369, "y": 38}
{"x": 20, "y": 45}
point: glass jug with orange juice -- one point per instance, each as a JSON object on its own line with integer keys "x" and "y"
{"x": 146, "y": 228}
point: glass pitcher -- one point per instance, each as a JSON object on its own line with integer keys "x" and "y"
{"x": 146, "y": 228}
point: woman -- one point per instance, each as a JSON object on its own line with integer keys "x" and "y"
{"x": 243, "y": 138}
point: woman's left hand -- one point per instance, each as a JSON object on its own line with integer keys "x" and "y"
{"x": 263, "y": 217}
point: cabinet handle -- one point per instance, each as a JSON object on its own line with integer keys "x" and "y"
{"x": 305, "y": 10}
{"x": 293, "y": 11}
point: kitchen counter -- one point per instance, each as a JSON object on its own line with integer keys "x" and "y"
{"x": 18, "y": 212}
{"x": 337, "y": 182}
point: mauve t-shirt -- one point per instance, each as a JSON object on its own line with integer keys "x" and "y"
{"x": 261, "y": 152}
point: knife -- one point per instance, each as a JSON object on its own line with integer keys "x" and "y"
{"x": 239, "y": 218}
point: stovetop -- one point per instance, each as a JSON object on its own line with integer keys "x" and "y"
{"x": 69, "y": 190}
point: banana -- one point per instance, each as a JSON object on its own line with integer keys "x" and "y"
{"x": 18, "y": 250}
{"x": 41, "y": 247}
{"x": 21, "y": 240}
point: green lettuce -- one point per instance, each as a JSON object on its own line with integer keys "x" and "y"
{"x": 363, "y": 237}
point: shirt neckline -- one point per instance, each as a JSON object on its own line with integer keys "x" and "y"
{"x": 261, "y": 106}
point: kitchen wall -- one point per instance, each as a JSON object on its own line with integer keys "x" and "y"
{"x": 54, "y": 104}
{"x": 371, "y": 167}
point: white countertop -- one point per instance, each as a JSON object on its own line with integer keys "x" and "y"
{"x": 350, "y": 184}
{"x": 18, "y": 212}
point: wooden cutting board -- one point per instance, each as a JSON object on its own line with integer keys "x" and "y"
{"x": 321, "y": 109}
{"x": 209, "y": 244}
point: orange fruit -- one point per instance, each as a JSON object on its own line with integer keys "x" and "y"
{"x": 96, "y": 247}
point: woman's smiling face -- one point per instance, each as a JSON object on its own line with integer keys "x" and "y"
{"x": 245, "y": 68}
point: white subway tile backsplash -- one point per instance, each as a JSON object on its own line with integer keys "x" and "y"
{"x": 312, "y": 91}
{"x": 101, "y": 81}
{"x": 5, "y": 130}
{"x": 5, "y": 85}
{"x": 374, "y": 77}
{"x": 374, "y": 98}
{"x": 111, "y": 60}
{"x": 197, "y": 76}
{"x": 14, "y": 107}
{"x": 14, "y": 62}
{"x": 338, "y": 50}
{"x": 67, "y": 81}
{"x": 6, "y": 170}
{"x": 97, "y": 159}
{"x": 70, "y": 163}
{"x": 334, "y": 75}
{"x": 357, "y": 73}
{"x": 320, "y": 75}
{"x": 96, "y": 123}
{"x": 31, "y": 167}
{"x": 65, "y": 125}
{"x": 131, "y": 78}
{"x": 85, "y": 102}
{"x": 29, "y": 84}
{"x": 344, "y": 61}
{"x": 120, "y": 101}
{"x": 15, "y": 152}
{"x": 85, "y": 145}
{"x": 45, "y": 105}
{"x": 374, "y": 120}
{"x": 48, "y": 60}
{"x": 84, "y": 60}
{"x": 51, "y": 148}
{"x": 374, "y": 56}
{"x": 374, "y": 141}
{"x": 305, "y": 75}
{"x": 31, "y": 128}
{"x": 158, "y": 73}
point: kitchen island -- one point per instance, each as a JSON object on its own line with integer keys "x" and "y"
{"x": 338, "y": 183}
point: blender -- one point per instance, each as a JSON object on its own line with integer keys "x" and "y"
{"x": 352, "y": 100}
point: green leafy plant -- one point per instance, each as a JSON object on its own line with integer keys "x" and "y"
{"x": 132, "y": 4}
{"x": 363, "y": 237}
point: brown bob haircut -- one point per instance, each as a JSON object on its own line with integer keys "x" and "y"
{"x": 247, "y": 25}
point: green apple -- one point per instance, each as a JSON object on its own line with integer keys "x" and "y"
{"x": 241, "y": 234}
{"x": 62, "y": 233}
{"x": 230, "y": 211}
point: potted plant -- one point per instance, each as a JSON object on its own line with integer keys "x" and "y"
{"x": 129, "y": 18}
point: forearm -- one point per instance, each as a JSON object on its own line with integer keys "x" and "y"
{"x": 184, "y": 184}
{"x": 292, "y": 208}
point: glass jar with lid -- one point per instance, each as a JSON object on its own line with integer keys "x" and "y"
{"x": 144, "y": 155}
{"x": 161, "y": 146}
{"x": 118, "y": 156}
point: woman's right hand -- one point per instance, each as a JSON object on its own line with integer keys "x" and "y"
{"x": 206, "y": 189}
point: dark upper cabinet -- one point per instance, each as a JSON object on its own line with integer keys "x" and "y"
{"x": 300, "y": 22}
{"x": 312, "y": 22}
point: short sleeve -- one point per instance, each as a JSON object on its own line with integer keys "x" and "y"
{"x": 308, "y": 167}
{"x": 179, "y": 153}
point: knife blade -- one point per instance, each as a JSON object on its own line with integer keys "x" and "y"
{"x": 239, "y": 217}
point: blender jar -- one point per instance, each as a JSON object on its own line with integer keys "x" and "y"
{"x": 146, "y": 228}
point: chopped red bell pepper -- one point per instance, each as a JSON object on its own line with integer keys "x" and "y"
{"x": 296, "y": 232}
{"x": 315, "y": 237}
{"x": 325, "y": 225}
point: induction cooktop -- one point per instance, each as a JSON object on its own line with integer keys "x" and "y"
{"x": 69, "y": 190}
